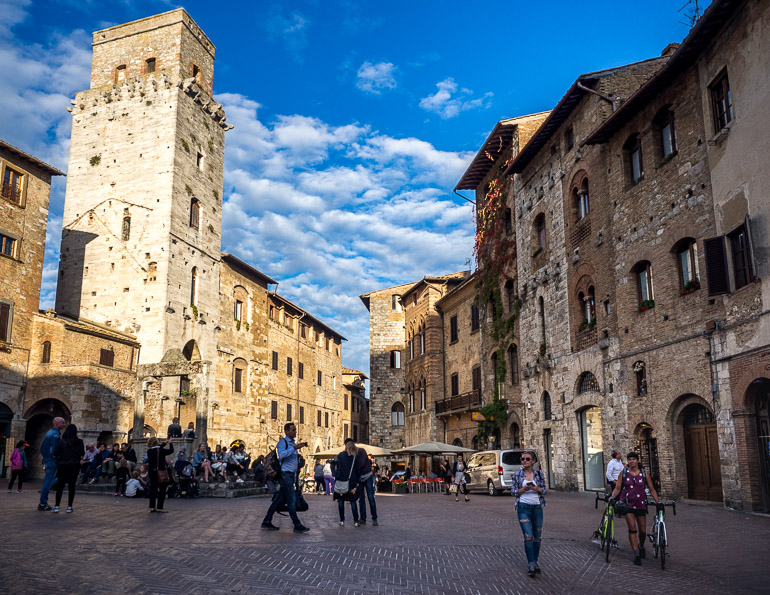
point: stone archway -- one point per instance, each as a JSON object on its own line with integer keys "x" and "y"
{"x": 698, "y": 471}
{"x": 39, "y": 420}
{"x": 756, "y": 433}
{"x": 646, "y": 445}
{"x": 513, "y": 431}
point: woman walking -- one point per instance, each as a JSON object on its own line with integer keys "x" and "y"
{"x": 528, "y": 487}
{"x": 159, "y": 474}
{"x": 630, "y": 486}
{"x": 445, "y": 473}
{"x": 18, "y": 465}
{"x": 328, "y": 478}
{"x": 68, "y": 453}
{"x": 458, "y": 473}
{"x": 347, "y": 473}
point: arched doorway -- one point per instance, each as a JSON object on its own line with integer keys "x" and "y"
{"x": 593, "y": 448}
{"x": 191, "y": 352}
{"x": 6, "y": 415}
{"x": 759, "y": 392}
{"x": 701, "y": 447}
{"x": 647, "y": 448}
{"x": 39, "y": 420}
{"x": 457, "y": 442}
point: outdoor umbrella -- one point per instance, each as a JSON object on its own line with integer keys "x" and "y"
{"x": 375, "y": 451}
{"x": 432, "y": 448}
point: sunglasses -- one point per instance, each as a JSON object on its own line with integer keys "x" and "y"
{"x": 526, "y": 459}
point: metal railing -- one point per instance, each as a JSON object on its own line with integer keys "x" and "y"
{"x": 464, "y": 402}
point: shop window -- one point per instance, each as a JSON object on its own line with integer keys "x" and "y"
{"x": 721, "y": 101}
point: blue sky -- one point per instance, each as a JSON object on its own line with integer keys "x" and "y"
{"x": 353, "y": 120}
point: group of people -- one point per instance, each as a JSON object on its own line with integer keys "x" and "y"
{"x": 352, "y": 479}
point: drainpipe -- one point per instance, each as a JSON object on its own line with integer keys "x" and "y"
{"x": 605, "y": 97}
{"x": 473, "y": 202}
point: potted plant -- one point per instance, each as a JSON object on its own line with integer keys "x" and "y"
{"x": 690, "y": 286}
{"x": 646, "y": 305}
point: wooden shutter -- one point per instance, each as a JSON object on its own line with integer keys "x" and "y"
{"x": 5, "y": 315}
{"x": 750, "y": 247}
{"x": 716, "y": 265}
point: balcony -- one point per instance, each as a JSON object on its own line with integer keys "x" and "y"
{"x": 465, "y": 402}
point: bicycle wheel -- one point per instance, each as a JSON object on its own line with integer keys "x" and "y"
{"x": 603, "y": 532}
{"x": 662, "y": 548}
{"x": 655, "y": 543}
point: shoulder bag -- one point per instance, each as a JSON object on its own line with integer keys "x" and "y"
{"x": 163, "y": 476}
{"x": 341, "y": 488}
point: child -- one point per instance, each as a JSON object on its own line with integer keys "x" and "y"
{"x": 122, "y": 474}
{"x": 133, "y": 488}
{"x": 144, "y": 480}
{"x": 18, "y": 465}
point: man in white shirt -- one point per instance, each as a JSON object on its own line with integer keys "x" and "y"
{"x": 614, "y": 468}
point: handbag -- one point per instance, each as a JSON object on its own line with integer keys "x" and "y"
{"x": 341, "y": 488}
{"x": 453, "y": 488}
{"x": 163, "y": 476}
{"x": 467, "y": 477}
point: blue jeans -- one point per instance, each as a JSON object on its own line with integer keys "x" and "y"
{"x": 366, "y": 491}
{"x": 531, "y": 521}
{"x": 284, "y": 494}
{"x": 48, "y": 482}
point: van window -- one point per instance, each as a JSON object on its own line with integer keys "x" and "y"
{"x": 489, "y": 459}
{"x": 513, "y": 457}
{"x": 475, "y": 460}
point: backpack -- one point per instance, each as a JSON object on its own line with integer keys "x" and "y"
{"x": 272, "y": 465}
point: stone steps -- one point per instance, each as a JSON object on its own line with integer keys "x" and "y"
{"x": 210, "y": 490}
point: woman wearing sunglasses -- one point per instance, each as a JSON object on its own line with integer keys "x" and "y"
{"x": 528, "y": 487}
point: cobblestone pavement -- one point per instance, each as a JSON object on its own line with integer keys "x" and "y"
{"x": 426, "y": 543}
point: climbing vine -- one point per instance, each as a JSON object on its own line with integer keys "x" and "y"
{"x": 495, "y": 251}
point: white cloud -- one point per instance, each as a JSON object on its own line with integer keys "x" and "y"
{"x": 375, "y": 78}
{"x": 446, "y": 104}
{"x": 291, "y": 29}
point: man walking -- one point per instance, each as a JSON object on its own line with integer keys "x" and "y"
{"x": 368, "y": 482}
{"x": 288, "y": 458}
{"x": 47, "y": 448}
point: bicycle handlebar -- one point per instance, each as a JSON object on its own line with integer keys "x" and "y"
{"x": 664, "y": 503}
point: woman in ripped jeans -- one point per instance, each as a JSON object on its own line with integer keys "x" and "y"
{"x": 528, "y": 487}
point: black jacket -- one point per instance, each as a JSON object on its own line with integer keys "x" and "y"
{"x": 130, "y": 454}
{"x": 69, "y": 453}
{"x": 454, "y": 468}
{"x": 347, "y": 467}
{"x": 363, "y": 463}
{"x": 156, "y": 457}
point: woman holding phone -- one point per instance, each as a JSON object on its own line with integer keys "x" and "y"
{"x": 528, "y": 487}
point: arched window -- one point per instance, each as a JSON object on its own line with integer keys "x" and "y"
{"x": 580, "y": 196}
{"x": 195, "y": 213}
{"x": 46, "y": 358}
{"x": 632, "y": 150}
{"x": 640, "y": 372}
{"x": 513, "y": 363}
{"x": 397, "y": 414}
{"x": 645, "y": 294}
{"x": 587, "y": 383}
{"x": 510, "y": 294}
{"x": 546, "y": 406}
{"x": 540, "y": 239}
{"x": 589, "y": 305}
{"x": 665, "y": 132}
{"x": 194, "y": 286}
{"x": 422, "y": 341}
{"x": 686, "y": 251}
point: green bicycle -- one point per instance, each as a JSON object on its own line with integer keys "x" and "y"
{"x": 658, "y": 537}
{"x": 605, "y": 534}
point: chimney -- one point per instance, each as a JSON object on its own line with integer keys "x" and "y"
{"x": 670, "y": 49}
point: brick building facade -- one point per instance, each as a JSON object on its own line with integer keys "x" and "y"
{"x": 355, "y": 407}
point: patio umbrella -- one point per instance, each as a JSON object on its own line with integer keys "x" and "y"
{"x": 375, "y": 451}
{"x": 432, "y": 448}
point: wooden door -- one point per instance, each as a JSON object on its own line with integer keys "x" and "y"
{"x": 704, "y": 477}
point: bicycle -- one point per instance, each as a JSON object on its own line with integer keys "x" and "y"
{"x": 606, "y": 531}
{"x": 658, "y": 537}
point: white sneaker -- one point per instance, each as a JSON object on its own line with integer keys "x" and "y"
{"x": 69, "y": 509}
{"x": 239, "y": 480}
{"x": 55, "y": 509}
{"x": 342, "y": 523}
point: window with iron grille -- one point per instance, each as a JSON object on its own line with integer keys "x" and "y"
{"x": 588, "y": 383}
{"x": 107, "y": 357}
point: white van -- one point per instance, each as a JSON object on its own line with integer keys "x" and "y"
{"x": 491, "y": 470}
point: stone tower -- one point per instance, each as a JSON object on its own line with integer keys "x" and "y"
{"x": 142, "y": 221}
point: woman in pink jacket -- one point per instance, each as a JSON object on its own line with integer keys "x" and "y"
{"x": 18, "y": 464}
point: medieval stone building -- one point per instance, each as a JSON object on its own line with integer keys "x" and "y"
{"x": 355, "y": 409}
{"x": 641, "y": 241}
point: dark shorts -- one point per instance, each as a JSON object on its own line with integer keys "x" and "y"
{"x": 638, "y": 511}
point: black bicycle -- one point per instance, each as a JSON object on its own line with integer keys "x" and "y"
{"x": 605, "y": 534}
{"x": 659, "y": 537}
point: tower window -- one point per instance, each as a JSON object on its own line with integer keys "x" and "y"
{"x": 126, "y": 231}
{"x": 194, "y": 286}
{"x": 195, "y": 213}
{"x": 120, "y": 73}
{"x": 152, "y": 271}
{"x": 149, "y": 65}
{"x": 7, "y": 246}
{"x": 199, "y": 160}
{"x": 196, "y": 72}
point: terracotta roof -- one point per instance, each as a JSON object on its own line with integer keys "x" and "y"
{"x": 498, "y": 141}
{"x": 41, "y": 164}
{"x": 308, "y": 316}
{"x": 562, "y": 111}
{"x": 702, "y": 35}
{"x": 451, "y": 278}
{"x": 364, "y": 297}
{"x": 353, "y": 372}
{"x": 247, "y": 268}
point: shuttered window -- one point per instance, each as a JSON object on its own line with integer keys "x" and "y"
{"x": 275, "y": 360}
{"x": 716, "y": 265}
{"x": 107, "y": 357}
{"x": 5, "y": 322}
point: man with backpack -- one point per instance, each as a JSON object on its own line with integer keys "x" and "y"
{"x": 287, "y": 454}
